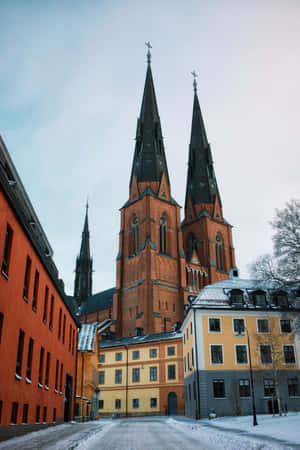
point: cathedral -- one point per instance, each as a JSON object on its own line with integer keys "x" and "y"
{"x": 163, "y": 261}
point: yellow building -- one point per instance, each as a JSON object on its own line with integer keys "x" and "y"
{"x": 141, "y": 375}
{"x": 217, "y": 350}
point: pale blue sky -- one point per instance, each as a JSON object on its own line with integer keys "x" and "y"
{"x": 72, "y": 76}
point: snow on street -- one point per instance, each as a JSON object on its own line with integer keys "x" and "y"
{"x": 166, "y": 433}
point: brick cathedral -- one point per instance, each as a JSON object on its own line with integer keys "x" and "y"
{"x": 161, "y": 260}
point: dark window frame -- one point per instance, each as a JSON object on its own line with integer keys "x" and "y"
{"x": 29, "y": 358}
{"x": 261, "y": 328}
{"x": 266, "y": 356}
{"x": 171, "y": 372}
{"x": 7, "y": 251}
{"x": 289, "y": 357}
{"x": 27, "y": 278}
{"x": 212, "y": 325}
{"x": 153, "y": 373}
{"x": 153, "y": 353}
{"x": 136, "y": 375}
{"x": 14, "y": 413}
{"x": 35, "y": 291}
{"x": 216, "y": 354}
{"x": 118, "y": 376}
{"x": 136, "y": 354}
{"x": 244, "y": 388}
{"x": 219, "y": 388}
{"x": 153, "y": 402}
{"x": 171, "y": 351}
{"x": 285, "y": 326}
{"x": 241, "y": 350}
{"x": 101, "y": 377}
{"x": 118, "y": 356}
{"x": 20, "y": 353}
{"x": 135, "y": 403}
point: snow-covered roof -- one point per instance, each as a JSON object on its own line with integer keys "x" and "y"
{"x": 86, "y": 337}
{"x": 134, "y": 340}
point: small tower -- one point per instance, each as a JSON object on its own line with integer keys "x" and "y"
{"x": 84, "y": 266}
{"x": 207, "y": 236}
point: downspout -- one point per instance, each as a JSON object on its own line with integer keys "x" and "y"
{"x": 82, "y": 375}
{"x": 197, "y": 375}
{"x": 75, "y": 381}
{"x": 126, "y": 346}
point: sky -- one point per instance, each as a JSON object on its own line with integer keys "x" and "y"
{"x": 71, "y": 81}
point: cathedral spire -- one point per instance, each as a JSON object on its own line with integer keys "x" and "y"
{"x": 201, "y": 182}
{"x": 149, "y": 162}
{"x": 84, "y": 265}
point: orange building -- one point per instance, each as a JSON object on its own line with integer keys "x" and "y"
{"x": 38, "y": 330}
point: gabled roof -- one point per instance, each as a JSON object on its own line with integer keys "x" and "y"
{"x": 96, "y": 302}
{"x": 86, "y": 337}
{"x": 134, "y": 340}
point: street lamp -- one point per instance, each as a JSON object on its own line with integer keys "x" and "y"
{"x": 239, "y": 335}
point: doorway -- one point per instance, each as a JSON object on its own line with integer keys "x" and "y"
{"x": 273, "y": 406}
{"x": 68, "y": 399}
{"x": 172, "y": 404}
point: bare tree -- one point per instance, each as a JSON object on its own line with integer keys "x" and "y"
{"x": 284, "y": 265}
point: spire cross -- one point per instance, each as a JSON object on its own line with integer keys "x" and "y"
{"x": 195, "y": 81}
{"x": 148, "y": 53}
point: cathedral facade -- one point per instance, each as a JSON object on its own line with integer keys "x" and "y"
{"x": 161, "y": 260}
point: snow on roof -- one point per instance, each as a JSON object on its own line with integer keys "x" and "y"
{"x": 132, "y": 340}
{"x": 86, "y": 337}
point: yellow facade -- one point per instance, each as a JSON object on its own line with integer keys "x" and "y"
{"x": 148, "y": 394}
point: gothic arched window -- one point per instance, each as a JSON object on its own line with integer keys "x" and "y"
{"x": 219, "y": 251}
{"x": 135, "y": 233}
{"x": 163, "y": 235}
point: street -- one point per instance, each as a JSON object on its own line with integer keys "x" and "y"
{"x": 159, "y": 433}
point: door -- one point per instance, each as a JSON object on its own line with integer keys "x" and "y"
{"x": 172, "y": 403}
{"x": 68, "y": 399}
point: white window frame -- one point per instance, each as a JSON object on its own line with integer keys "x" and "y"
{"x": 262, "y": 332}
{"x": 239, "y": 318}
{"x": 285, "y": 363}
{"x": 235, "y": 353}
{"x": 264, "y": 363}
{"x": 220, "y": 319}
{"x": 284, "y": 332}
{"x": 210, "y": 355}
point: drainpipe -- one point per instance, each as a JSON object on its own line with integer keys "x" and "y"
{"x": 197, "y": 375}
{"x": 126, "y": 346}
{"x": 82, "y": 375}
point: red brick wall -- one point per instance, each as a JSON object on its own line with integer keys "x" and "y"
{"x": 18, "y": 314}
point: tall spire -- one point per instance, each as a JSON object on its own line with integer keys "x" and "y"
{"x": 201, "y": 182}
{"x": 149, "y": 162}
{"x": 84, "y": 265}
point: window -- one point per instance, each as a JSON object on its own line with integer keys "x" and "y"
{"x": 61, "y": 377}
{"x": 73, "y": 342}
{"x": 64, "y": 329}
{"x": 259, "y": 298}
{"x": 37, "y": 414}
{"x": 269, "y": 388}
{"x": 214, "y": 325}
{"x": 241, "y": 354}
{"x": 293, "y": 387}
{"x": 216, "y": 354}
{"x": 263, "y": 326}
{"x": 289, "y": 354}
{"x": 236, "y": 297}
{"x": 51, "y": 313}
{"x": 194, "y": 390}
{"x": 20, "y": 352}
{"x": 184, "y": 364}
{"x": 136, "y": 375}
{"x": 54, "y": 414}
{"x": 35, "y": 291}
{"x": 117, "y": 403}
{"x": 14, "y": 412}
{"x": 239, "y": 325}
{"x": 118, "y": 356}
{"x": 47, "y": 369}
{"x": 101, "y": 377}
{"x": 192, "y": 353}
{"x": 219, "y": 262}
{"x": 219, "y": 388}
{"x": 244, "y": 388}
{"x": 41, "y": 365}
{"x": 70, "y": 337}
{"x": 100, "y": 404}
{"x": 266, "y": 353}
{"x": 45, "y": 312}
{"x": 118, "y": 376}
{"x": 29, "y": 359}
{"x": 1, "y": 406}
{"x": 171, "y": 372}
{"x": 25, "y": 413}
{"x": 153, "y": 402}
{"x": 27, "y": 278}
{"x": 135, "y": 403}
{"x": 136, "y": 354}
{"x": 285, "y": 326}
{"x": 188, "y": 361}
{"x": 153, "y": 373}
{"x": 56, "y": 375}
{"x": 45, "y": 414}
{"x": 171, "y": 351}
{"x": 135, "y": 233}
{"x": 59, "y": 323}
{"x": 153, "y": 352}
{"x": 187, "y": 334}
{"x": 1, "y": 325}
{"x": 191, "y": 328}
{"x": 7, "y": 250}
{"x": 102, "y": 358}
{"x": 162, "y": 234}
